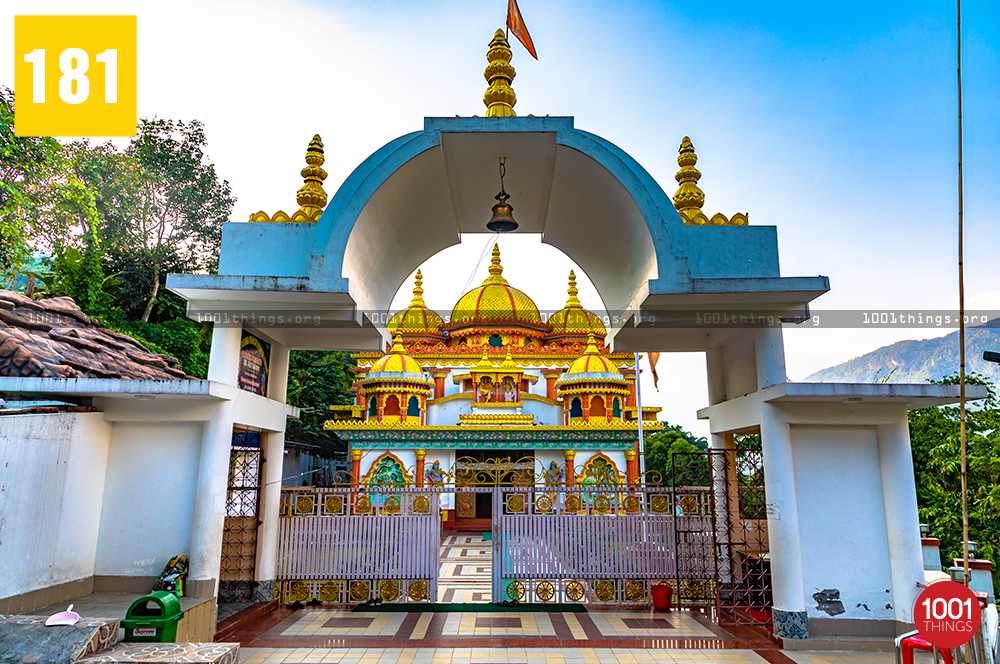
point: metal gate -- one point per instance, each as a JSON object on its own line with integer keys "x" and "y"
{"x": 722, "y": 545}
{"x": 602, "y": 545}
{"x": 349, "y": 545}
{"x": 239, "y": 535}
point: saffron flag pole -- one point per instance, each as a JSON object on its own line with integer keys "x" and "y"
{"x": 516, "y": 25}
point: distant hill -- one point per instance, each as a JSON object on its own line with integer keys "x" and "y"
{"x": 918, "y": 361}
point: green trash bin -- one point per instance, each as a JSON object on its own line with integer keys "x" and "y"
{"x": 153, "y": 618}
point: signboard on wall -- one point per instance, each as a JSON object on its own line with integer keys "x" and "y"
{"x": 254, "y": 356}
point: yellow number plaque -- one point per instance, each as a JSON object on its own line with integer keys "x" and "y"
{"x": 75, "y": 75}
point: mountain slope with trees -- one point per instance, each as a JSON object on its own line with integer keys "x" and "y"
{"x": 918, "y": 361}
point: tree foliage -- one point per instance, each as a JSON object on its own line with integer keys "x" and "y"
{"x": 316, "y": 381}
{"x": 934, "y": 437}
{"x": 182, "y": 204}
{"x": 673, "y": 455}
{"x": 26, "y": 164}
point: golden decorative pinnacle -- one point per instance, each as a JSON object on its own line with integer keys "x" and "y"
{"x": 689, "y": 198}
{"x": 496, "y": 270}
{"x": 418, "y": 292}
{"x": 484, "y": 363}
{"x": 499, "y": 97}
{"x": 572, "y": 301}
{"x": 311, "y": 197}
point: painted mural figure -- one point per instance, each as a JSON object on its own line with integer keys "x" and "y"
{"x": 388, "y": 473}
{"x": 434, "y": 475}
{"x": 554, "y": 474}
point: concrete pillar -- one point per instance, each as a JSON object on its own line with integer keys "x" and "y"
{"x": 439, "y": 377}
{"x": 273, "y": 443}
{"x": 770, "y": 351}
{"x": 931, "y": 549}
{"x": 716, "y": 376}
{"x": 631, "y": 467}
{"x": 277, "y": 373}
{"x": 790, "y": 619}
{"x": 421, "y": 456}
{"x": 902, "y": 524}
{"x": 210, "y": 501}
{"x": 224, "y": 360}
{"x": 356, "y": 467}
{"x": 570, "y": 457}
{"x": 550, "y": 383}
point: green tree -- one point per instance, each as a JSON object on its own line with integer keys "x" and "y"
{"x": 672, "y": 458}
{"x": 26, "y": 164}
{"x": 316, "y": 381}
{"x": 182, "y": 203}
{"x": 934, "y": 437}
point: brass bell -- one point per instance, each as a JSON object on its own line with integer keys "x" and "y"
{"x": 503, "y": 214}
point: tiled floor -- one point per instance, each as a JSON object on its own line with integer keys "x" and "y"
{"x": 107, "y": 605}
{"x": 466, "y": 569}
{"x": 499, "y": 655}
{"x": 320, "y": 627}
{"x": 555, "y": 656}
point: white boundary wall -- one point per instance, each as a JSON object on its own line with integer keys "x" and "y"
{"x": 51, "y": 490}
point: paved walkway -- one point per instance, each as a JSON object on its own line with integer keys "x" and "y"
{"x": 551, "y": 656}
{"x": 466, "y": 569}
{"x": 338, "y": 628}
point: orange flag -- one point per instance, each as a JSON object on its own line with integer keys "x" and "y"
{"x": 516, "y": 25}
{"x": 653, "y": 359}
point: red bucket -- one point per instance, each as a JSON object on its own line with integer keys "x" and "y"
{"x": 662, "y": 596}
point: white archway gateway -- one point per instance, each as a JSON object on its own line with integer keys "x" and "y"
{"x": 417, "y": 195}
{"x": 841, "y": 503}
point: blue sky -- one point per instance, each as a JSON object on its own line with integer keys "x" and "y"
{"x": 833, "y": 121}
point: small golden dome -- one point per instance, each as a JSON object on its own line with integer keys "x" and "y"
{"x": 573, "y": 319}
{"x": 395, "y": 362}
{"x": 416, "y": 318}
{"x": 496, "y": 303}
{"x": 591, "y": 362}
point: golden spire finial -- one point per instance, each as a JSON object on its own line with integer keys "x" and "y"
{"x": 397, "y": 345}
{"x": 485, "y": 363}
{"x": 499, "y": 97}
{"x": 591, "y": 345}
{"x": 572, "y": 301}
{"x": 311, "y": 197}
{"x": 496, "y": 270}
{"x": 418, "y": 291}
{"x": 689, "y": 198}
{"x": 509, "y": 364}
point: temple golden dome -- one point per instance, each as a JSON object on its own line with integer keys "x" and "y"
{"x": 591, "y": 362}
{"x": 573, "y": 319}
{"x": 496, "y": 303}
{"x": 416, "y": 319}
{"x": 395, "y": 362}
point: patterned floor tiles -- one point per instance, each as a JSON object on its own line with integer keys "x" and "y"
{"x": 496, "y": 656}
{"x": 818, "y": 657}
{"x": 466, "y": 569}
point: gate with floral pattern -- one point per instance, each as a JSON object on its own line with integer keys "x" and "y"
{"x": 349, "y": 545}
{"x": 596, "y": 544}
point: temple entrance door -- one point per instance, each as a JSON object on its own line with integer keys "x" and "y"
{"x": 483, "y": 468}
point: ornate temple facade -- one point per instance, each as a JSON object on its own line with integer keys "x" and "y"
{"x": 495, "y": 394}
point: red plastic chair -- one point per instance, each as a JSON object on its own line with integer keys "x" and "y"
{"x": 911, "y": 641}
